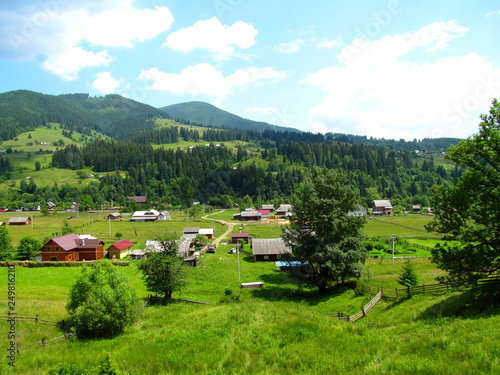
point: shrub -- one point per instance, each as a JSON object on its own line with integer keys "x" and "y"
{"x": 101, "y": 302}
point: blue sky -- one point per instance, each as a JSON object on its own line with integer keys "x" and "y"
{"x": 393, "y": 69}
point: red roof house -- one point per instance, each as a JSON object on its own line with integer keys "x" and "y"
{"x": 237, "y": 236}
{"x": 120, "y": 249}
{"x": 72, "y": 247}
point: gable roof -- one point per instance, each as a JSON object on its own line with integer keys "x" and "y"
{"x": 270, "y": 246}
{"x": 122, "y": 245}
{"x": 139, "y": 199}
{"x": 191, "y": 230}
{"x": 382, "y": 203}
{"x": 240, "y": 235}
{"x": 19, "y": 219}
{"x": 67, "y": 242}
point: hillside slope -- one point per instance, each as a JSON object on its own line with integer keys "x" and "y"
{"x": 208, "y": 115}
{"x": 113, "y": 115}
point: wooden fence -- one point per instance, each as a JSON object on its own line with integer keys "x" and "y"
{"x": 42, "y": 342}
{"x": 363, "y": 312}
{"x": 35, "y": 319}
{"x": 404, "y": 292}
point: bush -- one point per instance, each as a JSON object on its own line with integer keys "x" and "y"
{"x": 101, "y": 302}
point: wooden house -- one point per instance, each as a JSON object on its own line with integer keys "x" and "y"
{"x": 71, "y": 247}
{"x": 284, "y": 210}
{"x": 269, "y": 249}
{"x": 21, "y": 220}
{"x": 120, "y": 249}
{"x": 151, "y": 215}
{"x": 141, "y": 199}
{"x": 382, "y": 208}
{"x": 114, "y": 216}
{"x": 268, "y": 207}
{"x": 235, "y": 237}
{"x": 248, "y": 216}
{"x": 416, "y": 209}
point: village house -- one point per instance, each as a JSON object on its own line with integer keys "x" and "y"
{"x": 151, "y": 215}
{"x": 141, "y": 199}
{"x": 416, "y": 209}
{"x": 268, "y": 207}
{"x": 72, "y": 247}
{"x": 248, "y": 216}
{"x": 120, "y": 249}
{"x": 22, "y": 220}
{"x": 207, "y": 232}
{"x": 269, "y": 249}
{"x": 382, "y": 208}
{"x": 285, "y": 210}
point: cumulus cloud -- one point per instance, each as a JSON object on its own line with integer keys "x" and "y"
{"x": 205, "y": 79}
{"x": 213, "y": 36}
{"x": 379, "y": 89}
{"x": 58, "y": 30}
{"x": 105, "y": 83}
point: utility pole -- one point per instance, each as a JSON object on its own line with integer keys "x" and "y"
{"x": 393, "y": 238}
{"x": 238, "y": 250}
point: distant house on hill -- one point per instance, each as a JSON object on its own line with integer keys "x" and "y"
{"x": 151, "y": 215}
{"x": 382, "y": 208}
{"x": 269, "y": 207}
{"x": 22, "y": 220}
{"x": 248, "y": 216}
{"x": 120, "y": 249}
{"x": 416, "y": 209}
{"x": 284, "y": 210}
{"x": 164, "y": 215}
{"x": 139, "y": 199}
{"x": 269, "y": 249}
{"x": 71, "y": 247}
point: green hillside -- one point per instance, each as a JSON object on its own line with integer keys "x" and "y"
{"x": 211, "y": 116}
{"x": 113, "y": 115}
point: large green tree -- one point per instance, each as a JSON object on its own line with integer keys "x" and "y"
{"x": 5, "y": 244}
{"x": 101, "y": 302}
{"x": 323, "y": 237}
{"x": 162, "y": 270}
{"x": 468, "y": 212}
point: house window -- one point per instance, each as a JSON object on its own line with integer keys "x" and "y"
{"x": 266, "y": 257}
{"x": 53, "y": 259}
{"x": 57, "y": 248}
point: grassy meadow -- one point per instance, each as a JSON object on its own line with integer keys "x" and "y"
{"x": 280, "y": 329}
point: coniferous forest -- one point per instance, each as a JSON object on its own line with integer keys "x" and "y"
{"x": 264, "y": 166}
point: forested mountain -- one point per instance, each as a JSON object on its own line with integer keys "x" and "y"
{"x": 112, "y": 115}
{"x": 205, "y": 114}
{"x": 262, "y": 166}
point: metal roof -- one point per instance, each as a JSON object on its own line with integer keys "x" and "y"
{"x": 269, "y": 246}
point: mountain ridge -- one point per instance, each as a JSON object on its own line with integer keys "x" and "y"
{"x": 202, "y": 113}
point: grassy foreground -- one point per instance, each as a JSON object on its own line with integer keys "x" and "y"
{"x": 277, "y": 330}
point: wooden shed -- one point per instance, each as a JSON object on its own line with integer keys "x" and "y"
{"x": 237, "y": 236}
{"x": 21, "y": 220}
{"x": 269, "y": 249}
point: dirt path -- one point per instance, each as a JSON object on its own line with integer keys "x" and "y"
{"x": 229, "y": 229}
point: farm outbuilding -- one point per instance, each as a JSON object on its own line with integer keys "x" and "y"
{"x": 269, "y": 249}
{"x": 235, "y": 237}
{"x": 21, "y": 220}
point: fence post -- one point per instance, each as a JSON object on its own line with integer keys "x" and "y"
{"x": 36, "y": 318}
{"x": 423, "y": 288}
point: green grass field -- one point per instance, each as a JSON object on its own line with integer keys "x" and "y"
{"x": 280, "y": 329}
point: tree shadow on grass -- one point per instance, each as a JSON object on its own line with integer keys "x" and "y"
{"x": 470, "y": 304}
{"x": 278, "y": 286}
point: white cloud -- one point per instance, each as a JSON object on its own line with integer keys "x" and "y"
{"x": 205, "y": 79}
{"x": 376, "y": 91}
{"x": 105, "y": 83}
{"x": 291, "y": 47}
{"x": 324, "y": 43}
{"x": 53, "y": 31}
{"x": 495, "y": 13}
{"x": 213, "y": 36}
{"x": 68, "y": 64}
